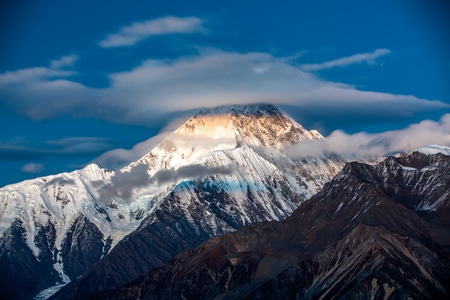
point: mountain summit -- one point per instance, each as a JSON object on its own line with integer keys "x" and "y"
{"x": 224, "y": 168}
{"x": 256, "y": 125}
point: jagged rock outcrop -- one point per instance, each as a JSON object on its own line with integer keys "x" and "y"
{"x": 82, "y": 247}
{"x": 21, "y": 272}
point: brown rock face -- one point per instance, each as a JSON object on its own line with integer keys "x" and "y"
{"x": 373, "y": 232}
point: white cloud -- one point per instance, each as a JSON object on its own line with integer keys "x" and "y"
{"x": 364, "y": 144}
{"x": 65, "y": 61}
{"x": 125, "y": 183}
{"x": 157, "y": 87}
{"x": 117, "y": 158}
{"x": 220, "y": 78}
{"x": 346, "y": 61}
{"x": 45, "y": 98}
{"x": 33, "y": 168}
{"x": 25, "y": 76}
{"x": 138, "y": 31}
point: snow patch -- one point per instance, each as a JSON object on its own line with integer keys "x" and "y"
{"x": 47, "y": 293}
{"x": 408, "y": 168}
{"x": 434, "y": 149}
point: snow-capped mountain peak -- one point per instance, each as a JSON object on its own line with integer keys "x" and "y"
{"x": 225, "y": 128}
{"x": 254, "y": 125}
{"x": 223, "y": 168}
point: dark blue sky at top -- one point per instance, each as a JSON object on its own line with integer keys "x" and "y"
{"x": 35, "y": 33}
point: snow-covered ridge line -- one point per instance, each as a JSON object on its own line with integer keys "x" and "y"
{"x": 434, "y": 149}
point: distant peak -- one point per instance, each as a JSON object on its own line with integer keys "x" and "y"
{"x": 434, "y": 149}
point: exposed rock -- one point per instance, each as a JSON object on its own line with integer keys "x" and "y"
{"x": 21, "y": 272}
{"x": 363, "y": 236}
{"x": 82, "y": 247}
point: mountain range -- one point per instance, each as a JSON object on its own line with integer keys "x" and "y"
{"x": 219, "y": 209}
{"x": 224, "y": 168}
{"x": 374, "y": 232}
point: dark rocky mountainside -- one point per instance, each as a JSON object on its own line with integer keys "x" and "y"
{"x": 373, "y": 232}
{"x": 31, "y": 273}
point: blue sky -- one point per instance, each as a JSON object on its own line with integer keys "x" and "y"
{"x": 80, "y": 78}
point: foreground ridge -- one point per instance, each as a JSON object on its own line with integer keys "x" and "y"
{"x": 373, "y": 232}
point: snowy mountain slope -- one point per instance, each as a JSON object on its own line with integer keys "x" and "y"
{"x": 260, "y": 183}
{"x": 36, "y": 218}
{"x": 229, "y": 154}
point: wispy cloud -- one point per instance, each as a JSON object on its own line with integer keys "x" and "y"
{"x": 79, "y": 146}
{"x": 65, "y": 61}
{"x": 20, "y": 150}
{"x": 194, "y": 171}
{"x": 25, "y": 76}
{"x": 33, "y": 168}
{"x": 117, "y": 158}
{"x": 55, "y": 71}
{"x": 132, "y": 34}
{"x": 365, "y": 144}
{"x": 346, "y": 61}
{"x": 125, "y": 183}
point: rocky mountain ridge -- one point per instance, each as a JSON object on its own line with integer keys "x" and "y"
{"x": 373, "y": 232}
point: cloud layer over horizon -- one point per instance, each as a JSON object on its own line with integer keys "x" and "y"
{"x": 361, "y": 144}
{"x": 210, "y": 78}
